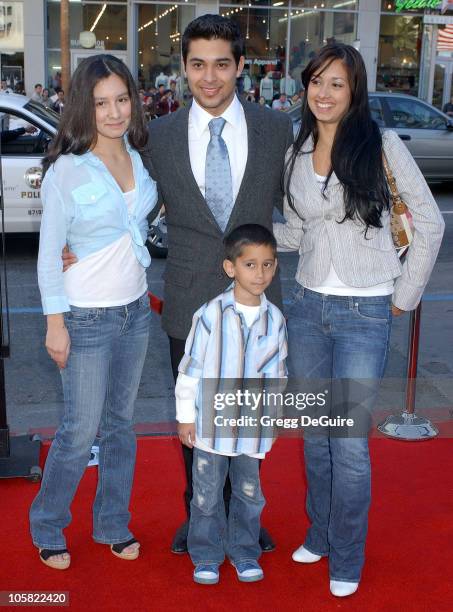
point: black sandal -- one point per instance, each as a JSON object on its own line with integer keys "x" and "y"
{"x": 47, "y": 557}
{"x": 117, "y": 550}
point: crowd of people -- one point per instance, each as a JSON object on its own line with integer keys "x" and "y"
{"x": 155, "y": 101}
{"x": 105, "y": 172}
{"x": 159, "y": 101}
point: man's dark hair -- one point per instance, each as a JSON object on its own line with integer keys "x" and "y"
{"x": 38, "y": 85}
{"x": 211, "y": 27}
{"x": 246, "y": 235}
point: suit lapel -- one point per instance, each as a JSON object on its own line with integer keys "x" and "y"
{"x": 181, "y": 158}
{"x": 254, "y": 158}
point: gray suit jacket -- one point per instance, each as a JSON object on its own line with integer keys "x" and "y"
{"x": 194, "y": 273}
{"x": 359, "y": 260}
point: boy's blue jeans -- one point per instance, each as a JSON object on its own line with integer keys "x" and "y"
{"x": 211, "y": 534}
{"x": 100, "y": 384}
{"x": 341, "y": 338}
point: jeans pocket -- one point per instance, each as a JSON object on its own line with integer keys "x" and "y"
{"x": 144, "y": 300}
{"x": 83, "y": 317}
{"x": 378, "y": 311}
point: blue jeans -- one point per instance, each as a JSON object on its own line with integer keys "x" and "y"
{"x": 100, "y": 384}
{"x": 342, "y": 339}
{"x": 211, "y": 534}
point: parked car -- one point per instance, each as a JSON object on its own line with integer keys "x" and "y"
{"x": 425, "y": 130}
{"x": 21, "y": 155}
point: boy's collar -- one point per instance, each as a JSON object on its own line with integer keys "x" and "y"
{"x": 228, "y": 300}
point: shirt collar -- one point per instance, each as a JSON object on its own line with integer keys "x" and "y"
{"x": 228, "y": 300}
{"x": 200, "y": 118}
{"x": 89, "y": 157}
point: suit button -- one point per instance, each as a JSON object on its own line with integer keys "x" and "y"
{"x": 328, "y": 217}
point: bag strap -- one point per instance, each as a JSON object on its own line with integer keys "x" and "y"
{"x": 396, "y": 198}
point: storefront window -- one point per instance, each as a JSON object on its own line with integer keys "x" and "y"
{"x": 311, "y": 30}
{"x": 264, "y": 32}
{"x": 12, "y": 45}
{"x": 107, "y": 21}
{"x": 399, "y": 54}
{"x": 160, "y": 27}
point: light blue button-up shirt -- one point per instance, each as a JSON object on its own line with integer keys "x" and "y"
{"x": 84, "y": 207}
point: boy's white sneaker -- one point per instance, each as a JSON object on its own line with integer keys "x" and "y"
{"x": 343, "y": 589}
{"x": 302, "y": 555}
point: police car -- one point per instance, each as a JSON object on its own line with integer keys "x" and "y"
{"x": 27, "y": 128}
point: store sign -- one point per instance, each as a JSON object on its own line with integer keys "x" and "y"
{"x": 76, "y": 44}
{"x": 407, "y": 5}
{"x": 262, "y": 62}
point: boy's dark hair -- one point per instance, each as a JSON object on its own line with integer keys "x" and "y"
{"x": 209, "y": 27}
{"x": 245, "y": 235}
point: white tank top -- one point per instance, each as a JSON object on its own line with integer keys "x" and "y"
{"x": 110, "y": 277}
{"x": 332, "y": 285}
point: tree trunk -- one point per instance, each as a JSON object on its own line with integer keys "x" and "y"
{"x": 65, "y": 54}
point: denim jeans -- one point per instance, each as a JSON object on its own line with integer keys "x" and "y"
{"x": 211, "y": 534}
{"x": 344, "y": 339}
{"x": 100, "y": 384}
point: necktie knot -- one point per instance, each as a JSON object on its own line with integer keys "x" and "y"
{"x": 216, "y": 126}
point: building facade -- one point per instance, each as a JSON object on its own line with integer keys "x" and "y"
{"x": 407, "y": 45}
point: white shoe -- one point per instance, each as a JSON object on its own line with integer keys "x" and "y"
{"x": 302, "y": 555}
{"x": 343, "y": 589}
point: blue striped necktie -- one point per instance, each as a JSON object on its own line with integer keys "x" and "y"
{"x": 218, "y": 183}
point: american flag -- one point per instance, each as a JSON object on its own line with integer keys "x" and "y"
{"x": 445, "y": 38}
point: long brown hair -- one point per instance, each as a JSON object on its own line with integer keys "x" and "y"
{"x": 77, "y": 131}
{"x": 356, "y": 156}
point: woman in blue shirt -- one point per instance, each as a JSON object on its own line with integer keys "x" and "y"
{"x": 96, "y": 197}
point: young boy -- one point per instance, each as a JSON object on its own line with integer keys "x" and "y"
{"x": 238, "y": 335}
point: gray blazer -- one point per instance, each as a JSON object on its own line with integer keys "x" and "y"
{"x": 194, "y": 273}
{"x": 361, "y": 261}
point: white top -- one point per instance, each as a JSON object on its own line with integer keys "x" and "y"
{"x": 187, "y": 388}
{"x": 332, "y": 285}
{"x": 234, "y": 134}
{"x": 109, "y": 277}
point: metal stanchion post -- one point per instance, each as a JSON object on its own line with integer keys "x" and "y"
{"x": 409, "y": 426}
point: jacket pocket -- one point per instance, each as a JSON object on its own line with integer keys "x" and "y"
{"x": 377, "y": 239}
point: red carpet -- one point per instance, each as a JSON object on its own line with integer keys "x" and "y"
{"x": 409, "y": 552}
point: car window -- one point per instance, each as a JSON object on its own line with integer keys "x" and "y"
{"x": 49, "y": 115}
{"x": 20, "y": 137}
{"x": 376, "y": 111}
{"x": 414, "y": 115}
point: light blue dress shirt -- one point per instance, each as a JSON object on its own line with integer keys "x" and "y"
{"x": 84, "y": 207}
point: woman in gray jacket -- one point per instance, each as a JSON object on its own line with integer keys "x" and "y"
{"x": 349, "y": 284}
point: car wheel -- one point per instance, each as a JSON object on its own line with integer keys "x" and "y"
{"x": 157, "y": 239}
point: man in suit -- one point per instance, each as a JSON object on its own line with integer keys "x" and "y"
{"x": 182, "y": 149}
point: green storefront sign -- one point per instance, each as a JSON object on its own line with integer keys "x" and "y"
{"x": 405, "y": 5}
